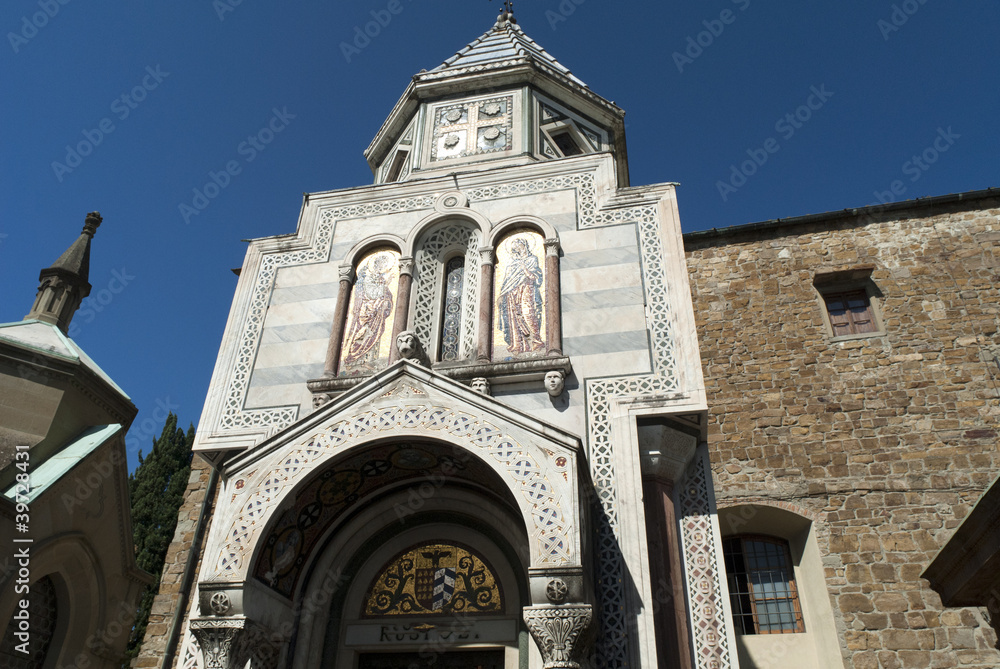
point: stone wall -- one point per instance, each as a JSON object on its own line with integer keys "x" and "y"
{"x": 887, "y": 440}
{"x": 170, "y": 595}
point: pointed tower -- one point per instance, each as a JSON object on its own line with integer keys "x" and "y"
{"x": 502, "y": 100}
{"x": 65, "y": 284}
{"x": 487, "y": 357}
{"x": 64, "y": 482}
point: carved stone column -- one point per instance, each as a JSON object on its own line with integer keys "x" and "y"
{"x": 402, "y": 303}
{"x": 553, "y": 314}
{"x": 556, "y": 630}
{"x": 485, "y": 345}
{"x": 219, "y": 639}
{"x": 339, "y": 320}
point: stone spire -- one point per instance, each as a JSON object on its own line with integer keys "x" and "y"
{"x": 65, "y": 284}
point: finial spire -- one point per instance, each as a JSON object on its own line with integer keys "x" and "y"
{"x": 506, "y": 14}
{"x": 65, "y": 283}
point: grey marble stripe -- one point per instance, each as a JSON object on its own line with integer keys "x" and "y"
{"x": 600, "y": 257}
{"x": 278, "y": 376}
{"x": 635, "y": 340}
{"x": 300, "y": 332}
{"x": 312, "y": 291}
{"x": 598, "y": 299}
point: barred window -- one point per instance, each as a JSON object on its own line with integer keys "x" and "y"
{"x": 451, "y": 314}
{"x": 761, "y": 585}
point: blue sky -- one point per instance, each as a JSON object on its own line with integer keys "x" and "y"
{"x": 833, "y": 104}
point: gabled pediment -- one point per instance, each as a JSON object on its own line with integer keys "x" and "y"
{"x": 538, "y": 463}
{"x": 406, "y": 382}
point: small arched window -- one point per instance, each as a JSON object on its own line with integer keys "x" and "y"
{"x": 762, "y": 587}
{"x": 451, "y": 312}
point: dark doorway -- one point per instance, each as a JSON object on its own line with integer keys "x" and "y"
{"x": 477, "y": 659}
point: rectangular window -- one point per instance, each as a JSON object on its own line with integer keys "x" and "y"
{"x": 761, "y": 586}
{"x": 850, "y": 312}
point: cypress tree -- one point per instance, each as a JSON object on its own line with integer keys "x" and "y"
{"x": 157, "y": 490}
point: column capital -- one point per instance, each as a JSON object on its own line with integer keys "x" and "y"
{"x": 218, "y": 639}
{"x": 406, "y": 265}
{"x": 486, "y": 255}
{"x": 557, "y": 630}
{"x": 552, "y": 246}
{"x": 347, "y": 273}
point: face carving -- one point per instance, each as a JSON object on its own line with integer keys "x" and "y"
{"x": 555, "y": 381}
{"x": 481, "y": 385}
{"x": 406, "y": 343}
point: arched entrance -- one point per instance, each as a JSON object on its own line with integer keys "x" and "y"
{"x": 407, "y": 462}
{"x": 421, "y": 552}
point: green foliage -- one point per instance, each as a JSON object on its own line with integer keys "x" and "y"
{"x": 156, "y": 488}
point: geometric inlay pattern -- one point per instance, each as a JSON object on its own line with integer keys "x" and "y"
{"x": 702, "y": 566}
{"x": 265, "y": 488}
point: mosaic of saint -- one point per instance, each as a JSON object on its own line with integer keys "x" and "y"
{"x": 434, "y": 578}
{"x": 300, "y": 527}
{"x": 520, "y": 309}
{"x": 368, "y": 331}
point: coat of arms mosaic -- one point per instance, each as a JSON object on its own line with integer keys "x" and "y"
{"x": 434, "y": 579}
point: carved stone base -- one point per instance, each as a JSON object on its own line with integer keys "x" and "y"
{"x": 556, "y": 630}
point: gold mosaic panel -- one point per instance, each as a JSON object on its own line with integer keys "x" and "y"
{"x": 434, "y": 579}
{"x": 519, "y": 291}
{"x": 368, "y": 330}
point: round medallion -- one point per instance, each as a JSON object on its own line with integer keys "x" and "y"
{"x": 491, "y": 134}
{"x": 339, "y": 487}
{"x": 240, "y": 484}
{"x": 220, "y": 604}
{"x": 491, "y": 108}
{"x": 453, "y": 115}
{"x": 451, "y": 141}
{"x": 451, "y": 201}
{"x": 557, "y": 591}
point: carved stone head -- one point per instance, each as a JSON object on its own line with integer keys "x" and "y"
{"x": 481, "y": 385}
{"x": 555, "y": 381}
{"x": 406, "y": 343}
{"x": 319, "y": 399}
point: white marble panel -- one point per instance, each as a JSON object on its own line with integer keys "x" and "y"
{"x": 601, "y": 321}
{"x": 600, "y": 278}
{"x": 291, "y": 353}
{"x": 294, "y": 313}
{"x": 283, "y": 395}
